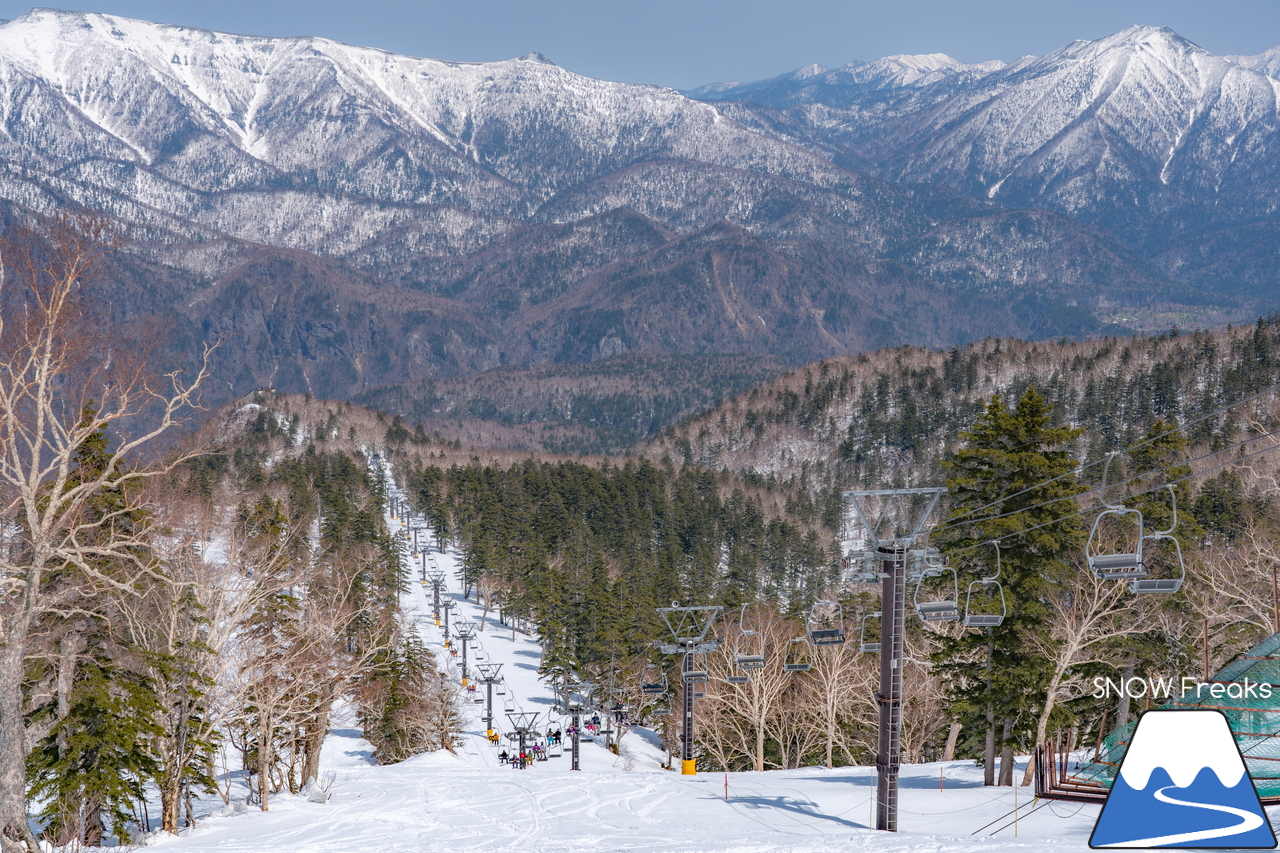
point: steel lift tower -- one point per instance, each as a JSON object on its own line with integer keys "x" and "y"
{"x": 689, "y": 627}
{"x": 900, "y": 520}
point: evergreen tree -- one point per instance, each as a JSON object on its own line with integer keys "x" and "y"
{"x": 1000, "y": 488}
{"x": 93, "y": 766}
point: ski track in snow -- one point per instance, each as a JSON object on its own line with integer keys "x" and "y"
{"x": 467, "y": 802}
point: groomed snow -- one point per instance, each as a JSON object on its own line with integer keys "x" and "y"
{"x": 463, "y": 802}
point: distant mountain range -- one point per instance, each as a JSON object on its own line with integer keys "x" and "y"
{"x": 1143, "y": 133}
{"x": 349, "y": 219}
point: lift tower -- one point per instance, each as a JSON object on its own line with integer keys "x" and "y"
{"x": 489, "y": 676}
{"x": 689, "y": 627}
{"x": 900, "y": 520}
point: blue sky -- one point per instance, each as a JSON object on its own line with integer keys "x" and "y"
{"x": 684, "y": 43}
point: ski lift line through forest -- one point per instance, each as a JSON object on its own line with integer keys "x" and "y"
{"x": 1218, "y": 411}
{"x": 1093, "y": 509}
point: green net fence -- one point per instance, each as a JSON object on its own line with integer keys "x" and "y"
{"x": 1254, "y": 718}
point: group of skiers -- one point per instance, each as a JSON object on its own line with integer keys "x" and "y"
{"x": 521, "y": 760}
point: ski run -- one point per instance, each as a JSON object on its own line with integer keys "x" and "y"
{"x": 628, "y": 802}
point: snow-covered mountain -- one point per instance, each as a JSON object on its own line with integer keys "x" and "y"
{"x": 321, "y": 206}
{"x": 1142, "y": 132}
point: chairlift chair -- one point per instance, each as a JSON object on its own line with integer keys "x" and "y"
{"x": 829, "y": 634}
{"x": 745, "y": 652}
{"x": 865, "y": 645}
{"x": 1126, "y": 565}
{"x": 653, "y": 680}
{"x": 738, "y": 679}
{"x": 797, "y": 665}
{"x": 973, "y": 619}
{"x": 1140, "y": 586}
{"x": 943, "y": 609}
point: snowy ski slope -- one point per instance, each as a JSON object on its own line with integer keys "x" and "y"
{"x": 444, "y": 802}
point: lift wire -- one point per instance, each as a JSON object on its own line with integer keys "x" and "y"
{"x": 1129, "y": 449}
{"x": 1143, "y": 476}
{"x": 1135, "y": 494}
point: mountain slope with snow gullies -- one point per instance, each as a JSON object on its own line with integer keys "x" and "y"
{"x": 1143, "y": 132}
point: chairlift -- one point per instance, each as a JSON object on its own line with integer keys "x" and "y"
{"x": 1164, "y": 585}
{"x": 747, "y": 654}
{"x": 738, "y": 679}
{"x": 826, "y": 632}
{"x": 973, "y": 619}
{"x": 653, "y": 680}
{"x": 942, "y": 609}
{"x": 864, "y": 645}
{"x": 660, "y": 712}
{"x": 800, "y": 661}
{"x": 1126, "y": 565}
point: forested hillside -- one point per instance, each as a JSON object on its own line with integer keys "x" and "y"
{"x": 892, "y": 416}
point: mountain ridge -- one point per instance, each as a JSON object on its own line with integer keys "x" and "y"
{"x": 515, "y": 214}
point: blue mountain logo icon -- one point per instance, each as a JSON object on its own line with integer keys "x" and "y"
{"x": 1183, "y": 784}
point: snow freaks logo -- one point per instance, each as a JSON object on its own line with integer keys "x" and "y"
{"x": 1183, "y": 783}
{"x": 1163, "y": 688}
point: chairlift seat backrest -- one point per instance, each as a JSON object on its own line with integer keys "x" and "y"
{"x": 749, "y": 661}
{"x": 869, "y": 648}
{"x": 826, "y": 636}
{"x": 653, "y": 687}
{"x": 696, "y": 675}
{"x": 938, "y": 611}
{"x": 739, "y": 679}
{"x": 795, "y": 667}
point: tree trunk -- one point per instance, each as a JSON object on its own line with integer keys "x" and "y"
{"x": 989, "y": 750}
{"x": 1122, "y": 711}
{"x": 1042, "y": 725}
{"x": 831, "y": 736}
{"x": 170, "y": 804}
{"x": 264, "y": 760}
{"x": 949, "y": 754}
{"x": 314, "y": 740}
{"x": 15, "y": 831}
{"x": 758, "y": 758}
{"x": 1006, "y": 753}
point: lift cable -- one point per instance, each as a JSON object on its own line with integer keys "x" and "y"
{"x": 1085, "y": 467}
{"x": 1091, "y": 509}
{"x": 1143, "y": 476}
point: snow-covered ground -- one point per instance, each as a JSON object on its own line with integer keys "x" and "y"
{"x": 467, "y": 801}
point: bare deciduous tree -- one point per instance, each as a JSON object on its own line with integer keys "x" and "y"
{"x": 63, "y": 379}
